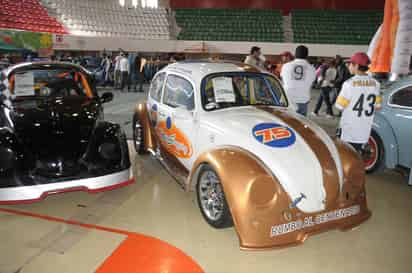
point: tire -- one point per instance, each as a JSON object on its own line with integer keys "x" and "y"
{"x": 138, "y": 136}
{"x": 373, "y": 157}
{"x": 211, "y": 199}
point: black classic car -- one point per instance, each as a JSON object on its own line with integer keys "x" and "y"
{"x": 52, "y": 134}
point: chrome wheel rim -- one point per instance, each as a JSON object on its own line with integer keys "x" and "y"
{"x": 372, "y": 154}
{"x": 138, "y": 134}
{"x": 211, "y": 195}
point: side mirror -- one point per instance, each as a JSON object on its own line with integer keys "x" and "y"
{"x": 106, "y": 97}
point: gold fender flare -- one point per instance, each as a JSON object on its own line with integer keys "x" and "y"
{"x": 250, "y": 189}
{"x": 141, "y": 113}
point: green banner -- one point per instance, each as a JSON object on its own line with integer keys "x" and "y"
{"x": 19, "y": 40}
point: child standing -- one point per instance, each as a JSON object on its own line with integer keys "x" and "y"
{"x": 359, "y": 100}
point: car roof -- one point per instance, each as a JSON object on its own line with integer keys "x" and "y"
{"x": 389, "y": 86}
{"x": 198, "y": 69}
{"x": 43, "y": 64}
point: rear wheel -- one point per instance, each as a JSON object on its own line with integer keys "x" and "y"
{"x": 373, "y": 155}
{"x": 211, "y": 199}
{"x": 138, "y": 136}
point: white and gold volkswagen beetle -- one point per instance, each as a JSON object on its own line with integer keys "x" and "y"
{"x": 226, "y": 131}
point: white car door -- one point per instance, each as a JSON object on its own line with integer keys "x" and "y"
{"x": 176, "y": 128}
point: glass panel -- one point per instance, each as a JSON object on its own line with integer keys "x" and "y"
{"x": 179, "y": 93}
{"x": 403, "y": 97}
{"x": 155, "y": 91}
{"x": 49, "y": 83}
{"x": 234, "y": 89}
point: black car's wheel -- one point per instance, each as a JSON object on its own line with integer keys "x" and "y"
{"x": 211, "y": 199}
{"x": 373, "y": 154}
{"x": 138, "y": 136}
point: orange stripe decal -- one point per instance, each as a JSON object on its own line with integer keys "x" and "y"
{"x": 140, "y": 253}
{"x": 137, "y": 253}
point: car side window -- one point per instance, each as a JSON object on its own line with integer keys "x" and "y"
{"x": 155, "y": 91}
{"x": 179, "y": 93}
{"x": 402, "y": 97}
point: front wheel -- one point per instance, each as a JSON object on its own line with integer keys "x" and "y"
{"x": 373, "y": 155}
{"x": 138, "y": 136}
{"x": 211, "y": 199}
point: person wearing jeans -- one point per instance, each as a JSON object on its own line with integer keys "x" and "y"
{"x": 302, "y": 108}
{"x": 124, "y": 71}
{"x": 327, "y": 84}
{"x": 298, "y": 76}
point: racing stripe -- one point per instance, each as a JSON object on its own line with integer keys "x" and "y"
{"x": 329, "y": 169}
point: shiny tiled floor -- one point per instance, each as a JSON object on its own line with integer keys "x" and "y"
{"x": 156, "y": 206}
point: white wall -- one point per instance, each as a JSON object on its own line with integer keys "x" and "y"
{"x": 68, "y": 42}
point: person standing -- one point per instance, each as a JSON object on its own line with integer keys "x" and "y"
{"x": 255, "y": 57}
{"x": 124, "y": 71}
{"x": 132, "y": 71}
{"x": 326, "y": 86}
{"x": 298, "y": 76}
{"x": 358, "y": 101}
{"x": 139, "y": 74}
{"x": 285, "y": 57}
{"x": 117, "y": 70}
{"x": 341, "y": 76}
{"x": 106, "y": 67}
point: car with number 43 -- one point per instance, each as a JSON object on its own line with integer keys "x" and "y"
{"x": 53, "y": 137}
{"x": 227, "y": 132}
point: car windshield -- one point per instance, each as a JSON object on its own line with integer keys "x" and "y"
{"x": 44, "y": 83}
{"x": 234, "y": 89}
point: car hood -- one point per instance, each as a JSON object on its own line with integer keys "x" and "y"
{"x": 57, "y": 126}
{"x": 300, "y": 154}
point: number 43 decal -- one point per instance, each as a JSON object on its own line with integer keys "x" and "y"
{"x": 358, "y": 107}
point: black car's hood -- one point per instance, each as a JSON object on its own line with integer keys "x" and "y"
{"x": 55, "y": 127}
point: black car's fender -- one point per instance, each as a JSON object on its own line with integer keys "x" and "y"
{"x": 10, "y": 151}
{"x": 107, "y": 147}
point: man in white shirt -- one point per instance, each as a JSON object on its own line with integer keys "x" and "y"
{"x": 298, "y": 76}
{"x": 124, "y": 71}
{"x": 359, "y": 100}
{"x": 255, "y": 57}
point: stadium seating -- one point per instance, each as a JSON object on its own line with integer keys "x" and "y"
{"x": 335, "y": 27}
{"x": 27, "y": 15}
{"x": 230, "y": 25}
{"x": 106, "y": 18}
